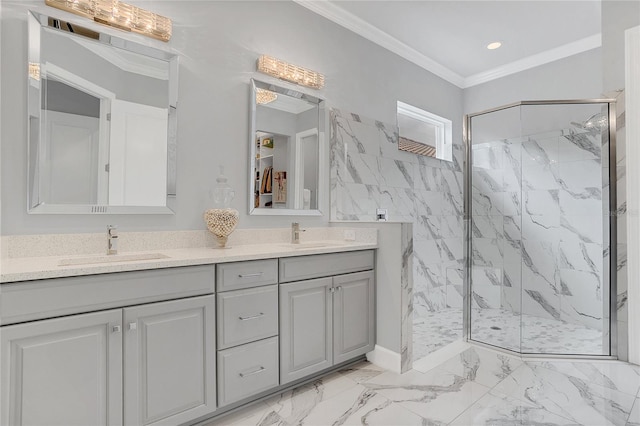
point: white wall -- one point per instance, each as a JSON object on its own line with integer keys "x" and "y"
{"x": 575, "y": 77}
{"x": 219, "y": 42}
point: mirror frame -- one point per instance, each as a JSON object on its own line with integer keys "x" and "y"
{"x": 37, "y": 23}
{"x": 322, "y": 188}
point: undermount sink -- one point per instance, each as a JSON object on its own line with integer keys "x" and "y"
{"x": 318, "y": 244}
{"x": 91, "y": 260}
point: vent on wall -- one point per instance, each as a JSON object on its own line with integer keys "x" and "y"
{"x": 98, "y": 209}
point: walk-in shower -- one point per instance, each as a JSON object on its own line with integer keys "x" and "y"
{"x": 540, "y": 233}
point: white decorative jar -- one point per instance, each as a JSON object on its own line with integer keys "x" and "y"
{"x": 222, "y": 220}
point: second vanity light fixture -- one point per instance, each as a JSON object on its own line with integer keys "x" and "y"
{"x": 264, "y": 96}
{"x": 119, "y": 15}
{"x": 289, "y": 72}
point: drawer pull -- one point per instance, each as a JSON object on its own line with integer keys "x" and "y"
{"x": 257, "y": 274}
{"x": 251, "y": 317}
{"x": 259, "y": 370}
{"x": 116, "y": 329}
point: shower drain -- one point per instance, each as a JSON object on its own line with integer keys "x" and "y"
{"x": 495, "y": 327}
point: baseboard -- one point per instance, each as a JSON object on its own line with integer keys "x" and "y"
{"x": 385, "y": 358}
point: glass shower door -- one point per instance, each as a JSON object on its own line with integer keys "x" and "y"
{"x": 565, "y": 229}
{"x": 495, "y": 259}
{"x": 538, "y": 228}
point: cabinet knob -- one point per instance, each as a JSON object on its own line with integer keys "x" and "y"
{"x": 339, "y": 288}
{"x": 133, "y": 326}
{"x": 116, "y": 329}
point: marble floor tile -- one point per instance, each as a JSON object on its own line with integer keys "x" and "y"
{"x": 362, "y": 372}
{"x": 549, "y": 392}
{"x": 567, "y": 396}
{"x": 497, "y": 410}
{"x": 634, "y": 417}
{"x": 438, "y": 396}
{"x": 615, "y": 375}
{"x": 359, "y": 406}
{"x": 296, "y": 404}
{"x": 482, "y": 366}
{"x": 434, "y": 330}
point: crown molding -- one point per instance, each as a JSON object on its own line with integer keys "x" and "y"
{"x": 560, "y": 52}
{"x": 353, "y": 23}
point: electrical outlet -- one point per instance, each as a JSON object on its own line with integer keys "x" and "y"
{"x": 381, "y": 215}
{"x": 349, "y": 235}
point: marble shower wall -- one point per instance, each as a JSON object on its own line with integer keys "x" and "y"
{"x": 369, "y": 172}
{"x": 537, "y": 227}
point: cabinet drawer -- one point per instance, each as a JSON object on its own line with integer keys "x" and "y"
{"x": 247, "y": 315}
{"x": 247, "y": 370}
{"x": 324, "y": 265}
{"x": 32, "y": 300}
{"x": 236, "y": 276}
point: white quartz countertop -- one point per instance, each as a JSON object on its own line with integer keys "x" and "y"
{"x": 37, "y": 268}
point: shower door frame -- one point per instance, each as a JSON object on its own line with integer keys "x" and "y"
{"x": 613, "y": 239}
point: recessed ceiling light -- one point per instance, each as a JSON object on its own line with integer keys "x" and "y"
{"x": 494, "y": 45}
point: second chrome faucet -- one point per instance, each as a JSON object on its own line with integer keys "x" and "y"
{"x": 295, "y": 233}
{"x": 112, "y": 239}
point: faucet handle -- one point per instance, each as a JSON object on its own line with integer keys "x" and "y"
{"x": 112, "y": 231}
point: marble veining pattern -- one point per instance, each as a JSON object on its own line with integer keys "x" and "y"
{"x": 535, "y": 249}
{"x": 476, "y": 387}
{"x": 367, "y": 171}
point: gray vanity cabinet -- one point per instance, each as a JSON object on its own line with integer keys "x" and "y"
{"x": 325, "y": 321}
{"x": 306, "y": 321}
{"x": 353, "y": 315}
{"x": 125, "y": 363}
{"x": 84, "y": 388}
{"x": 169, "y": 361}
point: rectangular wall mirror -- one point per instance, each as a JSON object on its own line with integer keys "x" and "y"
{"x": 102, "y": 122}
{"x": 424, "y": 133}
{"x": 286, "y": 165}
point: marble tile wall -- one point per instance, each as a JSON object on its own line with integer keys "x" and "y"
{"x": 367, "y": 171}
{"x": 538, "y": 243}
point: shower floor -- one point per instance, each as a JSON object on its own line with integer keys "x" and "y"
{"x": 539, "y": 335}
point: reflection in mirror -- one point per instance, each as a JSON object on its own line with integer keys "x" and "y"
{"x": 101, "y": 122}
{"x": 285, "y": 151}
{"x": 424, "y": 133}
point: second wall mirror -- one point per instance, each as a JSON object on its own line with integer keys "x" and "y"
{"x": 286, "y": 165}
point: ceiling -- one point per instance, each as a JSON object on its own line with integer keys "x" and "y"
{"x": 449, "y": 38}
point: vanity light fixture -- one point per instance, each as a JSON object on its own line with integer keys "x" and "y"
{"x": 34, "y": 70}
{"x": 119, "y": 15}
{"x": 264, "y": 96}
{"x": 289, "y": 72}
{"x": 494, "y": 45}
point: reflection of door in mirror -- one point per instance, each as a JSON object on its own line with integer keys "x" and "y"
{"x": 75, "y": 143}
{"x": 138, "y": 154}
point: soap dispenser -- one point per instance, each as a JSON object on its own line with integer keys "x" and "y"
{"x": 222, "y": 219}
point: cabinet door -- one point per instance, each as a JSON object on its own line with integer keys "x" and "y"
{"x": 353, "y": 315}
{"x": 305, "y": 328}
{"x": 64, "y": 371}
{"x": 169, "y": 361}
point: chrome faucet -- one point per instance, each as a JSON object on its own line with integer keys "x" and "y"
{"x": 295, "y": 233}
{"x": 112, "y": 239}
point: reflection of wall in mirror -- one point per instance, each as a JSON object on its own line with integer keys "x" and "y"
{"x": 86, "y": 60}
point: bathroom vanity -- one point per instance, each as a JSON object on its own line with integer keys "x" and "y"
{"x": 188, "y": 338}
